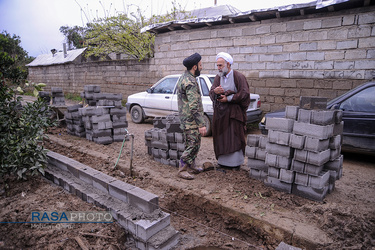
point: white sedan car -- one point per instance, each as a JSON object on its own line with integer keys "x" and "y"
{"x": 161, "y": 100}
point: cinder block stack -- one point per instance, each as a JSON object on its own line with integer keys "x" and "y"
{"x": 165, "y": 142}
{"x": 74, "y": 122}
{"x": 119, "y": 123}
{"x": 108, "y": 99}
{"x": 90, "y": 94}
{"x": 46, "y": 96}
{"x": 58, "y": 98}
{"x": 98, "y": 124}
{"x": 303, "y": 150}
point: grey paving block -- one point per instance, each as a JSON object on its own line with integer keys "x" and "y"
{"x": 338, "y": 116}
{"x": 304, "y": 116}
{"x": 338, "y": 128}
{"x": 335, "y": 153}
{"x": 312, "y": 130}
{"x": 147, "y": 228}
{"x": 301, "y": 179}
{"x": 286, "y": 175}
{"x": 260, "y": 154}
{"x": 319, "y": 181}
{"x": 170, "y": 137}
{"x": 278, "y": 137}
{"x": 335, "y": 164}
{"x": 148, "y": 135}
{"x": 252, "y": 140}
{"x": 118, "y": 112}
{"x": 167, "y": 238}
{"x": 323, "y": 117}
{"x": 145, "y": 201}
{"x": 100, "y": 118}
{"x": 310, "y": 192}
{"x": 313, "y": 102}
{"x": 173, "y": 154}
{"x": 335, "y": 142}
{"x": 86, "y": 174}
{"x": 160, "y": 144}
{"x": 119, "y": 117}
{"x": 291, "y": 112}
{"x": 271, "y": 159}
{"x": 278, "y": 184}
{"x": 101, "y": 181}
{"x": 103, "y": 140}
{"x": 263, "y": 140}
{"x": 172, "y": 145}
{"x": 73, "y": 108}
{"x": 280, "y": 124}
{"x": 274, "y": 172}
{"x": 180, "y": 146}
{"x": 257, "y": 164}
{"x": 283, "y": 162}
{"x": 164, "y": 161}
{"x": 173, "y": 162}
{"x": 315, "y": 144}
{"x": 298, "y": 166}
{"x": 319, "y": 158}
{"x": 179, "y": 137}
{"x": 277, "y": 149}
{"x": 173, "y": 127}
{"x": 313, "y": 169}
{"x": 258, "y": 174}
{"x": 155, "y": 152}
{"x": 155, "y": 132}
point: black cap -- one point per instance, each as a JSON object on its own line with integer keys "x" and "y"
{"x": 192, "y": 60}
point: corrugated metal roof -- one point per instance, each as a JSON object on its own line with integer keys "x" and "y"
{"x": 58, "y": 58}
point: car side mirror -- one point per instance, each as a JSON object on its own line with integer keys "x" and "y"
{"x": 335, "y": 106}
{"x": 150, "y": 90}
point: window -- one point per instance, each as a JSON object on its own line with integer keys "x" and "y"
{"x": 363, "y": 101}
{"x": 204, "y": 88}
{"x": 166, "y": 86}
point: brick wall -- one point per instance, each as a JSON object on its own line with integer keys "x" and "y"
{"x": 323, "y": 55}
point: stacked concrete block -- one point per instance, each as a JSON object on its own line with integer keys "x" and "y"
{"x": 58, "y": 98}
{"x": 135, "y": 209}
{"x": 256, "y": 154}
{"x": 91, "y": 94}
{"x": 119, "y": 123}
{"x": 165, "y": 142}
{"x": 74, "y": 122}
{"x": 98, "y": 124}
{"x": 108, "y": 100}
{"x": 46, "y": 96}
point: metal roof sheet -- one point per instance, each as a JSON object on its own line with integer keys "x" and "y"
{"x": 58, "y": 58}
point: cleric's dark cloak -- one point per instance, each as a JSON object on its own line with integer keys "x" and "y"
{"x": 229, "y": 120}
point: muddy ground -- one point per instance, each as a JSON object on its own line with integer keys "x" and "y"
{"x": 228, "y": 210}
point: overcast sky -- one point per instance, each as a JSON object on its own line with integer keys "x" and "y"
{"x": 37, "y": 22}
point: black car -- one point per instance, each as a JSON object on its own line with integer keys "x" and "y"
{"x": 358, "y": 106}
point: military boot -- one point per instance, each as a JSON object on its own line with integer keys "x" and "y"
{"x": 193, "y": 168}
{"x": 183, "y": 171}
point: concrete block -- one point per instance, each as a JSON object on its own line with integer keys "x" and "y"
{"x": 250, "y": 151}
{"x": 263, "y": 140}
{"x": 312, "y": 130}
{"x": 125, "y": 219}
{"x": 167, "y": 238}
{"x": 301, "y": 179}
{"x": 313, "y": 169}
{"x": 274, "y": 172}
{"x": 277, "y": 149}
{"x": 316, "y": 145}
{"x": 338, "y": 116}
{"x": 310, "y": 192}
{"x": 119, "y": 189}
{"x": 278, "y": 184}
{"x": 257, "y": 164}
{"x": 283, "y": 162}
{"x": 313, "y": 102}
{"x": 297, "y": 141}
{"x": 173, "y": 145}
{"x": 160, "y": 144}
{"x": 278, "y": 137}
{"x": 335, "y": 153}
{"x": 173, "y": 154}
{"x": 146, "y": 228}
{"x": 120, "y": 112}
{"x": 319, "y": 181}
{"x": 287, "y": 175}
{"x": 155, "y": 152}
{"x": 173, "y": 162}
{"x": 291, "y": 112}
{"x": 164, "y": 161}
{"x": 155, "y": 134}
{"x": 179, "y": 137}
{"x": 180, "y": 146}
{"x": 323, "y": 117}
{"x": 271, "y": 159}
{"x": 143, "y": 200}
{"x": 86, "y": 174}
{"x": 304, "y": 116}
{"x": 300, "y": 155}
{"x": 335, "y": 142}
{"x": 148, "y": 135}
{"x": 101, "y": 133}
{"x": 173, "y": 127}
{"x": 280, "y": 124}
{"x": 260, "y": 154}
{"x": 319, "y": 158}
{"x": 297, "y": 166}
{"x": 338, "y": 128}
{"x": 170, "y": 137}
{"x": 252, "y": 140}
{"x": 258, "y": 174}
{"x": 335, "y": 164}
{"x": 163, "y": 153}
{"x": 105, "y": 140}
{"x": 101, "y": 181}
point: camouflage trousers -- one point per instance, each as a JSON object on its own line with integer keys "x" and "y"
{"x": 192, "y": 145}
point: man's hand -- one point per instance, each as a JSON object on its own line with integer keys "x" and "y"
{"x": 202, "y": 131}
{"x": 219, "y": 90}
{"x": 223, "y": 98}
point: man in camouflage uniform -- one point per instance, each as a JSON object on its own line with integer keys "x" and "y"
{"x": 190, "y": 109}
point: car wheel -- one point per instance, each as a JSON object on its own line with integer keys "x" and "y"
{"x": 136, "y": 114}
{"x": 208, "y": 125}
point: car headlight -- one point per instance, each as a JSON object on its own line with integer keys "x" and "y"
{"x": 263, "y": 120}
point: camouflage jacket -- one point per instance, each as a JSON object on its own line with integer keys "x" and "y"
{"x": 190, "y": 107}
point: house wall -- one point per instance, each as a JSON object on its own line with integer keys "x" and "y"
{"x": 323, "y": 55}
{"x": 283, "y": 59}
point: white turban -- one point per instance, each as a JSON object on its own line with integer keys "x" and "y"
{"x": 225, "y": 56}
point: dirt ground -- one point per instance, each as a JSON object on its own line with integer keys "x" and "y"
{"x": 217, "y": 210}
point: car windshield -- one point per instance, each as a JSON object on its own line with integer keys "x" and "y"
{"x": 166, "y": 86}
{"x": 363, "y": 101}
{"x": 334, "y": 100}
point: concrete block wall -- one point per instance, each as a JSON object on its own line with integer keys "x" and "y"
{"x": 165, "y": 141}
{"x": 127, "y": 204}
{"x": 302, "y": 153}
{"x": 74, "y": 122}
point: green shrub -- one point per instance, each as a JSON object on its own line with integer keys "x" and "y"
{"x": 22, "y": 130}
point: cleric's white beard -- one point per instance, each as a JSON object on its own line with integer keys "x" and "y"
{"x": 224, "y": 71}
